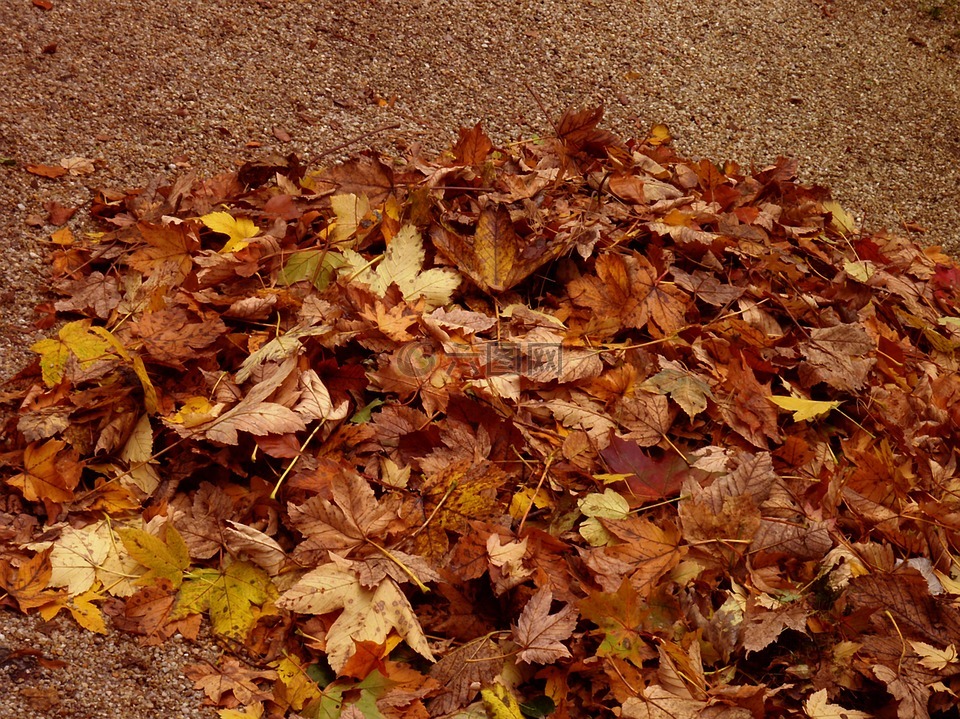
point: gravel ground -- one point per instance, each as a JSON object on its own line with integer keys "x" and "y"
{"x": 865, "y": 93}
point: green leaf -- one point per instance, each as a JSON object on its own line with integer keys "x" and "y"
{"x": 363, "y": 415}
{"x": 315, "y": 266}
{"x": 538, "y": 707}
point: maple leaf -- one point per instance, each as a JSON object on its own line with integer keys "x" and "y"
{"x": 230, "y": 596}
{"x": 619, "y": 616}
{"x": 644, "y": 552}
{"x": 495, "y": 257}
{"x": 166, "y": 558}
{"x": 75, "y": 340}
{"x": 836, "y": 355}
{"x": 630, "y": 289}
{"x": 26, "y": 583}
{"x": 541, "y": 634}
{"x": 51, "y": 472}
{"x": 368, "y": 615}
{"x": 239, "y": 231}
{"x": 169, "y": 251}
{"x": 685, "y": 388}
{"x": 343, "y": 525}
{"x": 402, "y": 265}
{"x": 230, "y": 676}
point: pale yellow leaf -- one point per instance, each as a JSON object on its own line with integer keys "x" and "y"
{"x": 804, "y": 409}
{"x": 817, "y": 706}
{"x": 933, "y": 658}
{"x": 368, "y": 615}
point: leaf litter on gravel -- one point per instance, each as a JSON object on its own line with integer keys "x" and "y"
{"x": 574, "y": 424}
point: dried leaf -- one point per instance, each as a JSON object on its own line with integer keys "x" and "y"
{"x": 541, "y": 634}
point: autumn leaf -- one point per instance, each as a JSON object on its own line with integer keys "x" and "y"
{"x": 75, "y": 340}
{"x": 231, "y": 597}
{"x": 620, "y": 616}
{"x": 804, "y": 409}
{"x": 495, "y": 257}
{"x": 166, "y": 558}
{"x": 818, "y": 706}
{"x": 368, "y": 614}
{"x": 28, "y": 582}
{"x": 402, "y": 265}
{"x": 169, "y": 251}
{"x": 318, "y": 267}
{"x": 344, "y": 524}
{"x": 499, "y": 703}
{"x": 229, "y": 677}
{"x": 541, "y": 634}
{"x": 170, "y": 336}
{"x": 239, "y": 230}
{"x": 254, "y": 415}
{"x": 51, "y": 472}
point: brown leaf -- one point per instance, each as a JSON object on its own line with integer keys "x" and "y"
{"x": 58, "y": 214}
{"x": 541, "y": 634}
{"x": 462, "y": 672}
{"x": 495, "y": 257}
{"x": 230, "y": 677}
{"x": 837, "y": 355}
{"x": 344, "y": 524}
{"x": 170, "y": 337}
{"x": 27, "y": 582}
{"x": 51, "y": 171}
{"x": 51, "y": 472}
{"x": 473, "y": 147}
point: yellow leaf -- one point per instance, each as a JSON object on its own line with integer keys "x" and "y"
{"x": 300, "y": 688}
{"x": 86, "y": 613}
{"x": 63, "y": 236}
{"x": 368, "y": 614}
{"x": 253, "y": 711}
{"x": 520, "y": 504}
{"x": 608, "y": 505}
{"x": 841, "y": 220}
{"x": 240, "y": 231}
{"x": 195, "y": 411}
{"x": 804, "y": 409}
{"x": 402, "y": 264}
{"x": 350, "y": 210}
{"x": 166, "y": 558}
{"x": 500, "y": 703}
{"x": 77, "y": 555}
{"x": 75, "y": 338}
{"x": 659, "y": 135}
{"x": 229, "y": 596}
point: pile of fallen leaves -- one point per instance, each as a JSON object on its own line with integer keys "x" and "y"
{"x": 574, "y": 427}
